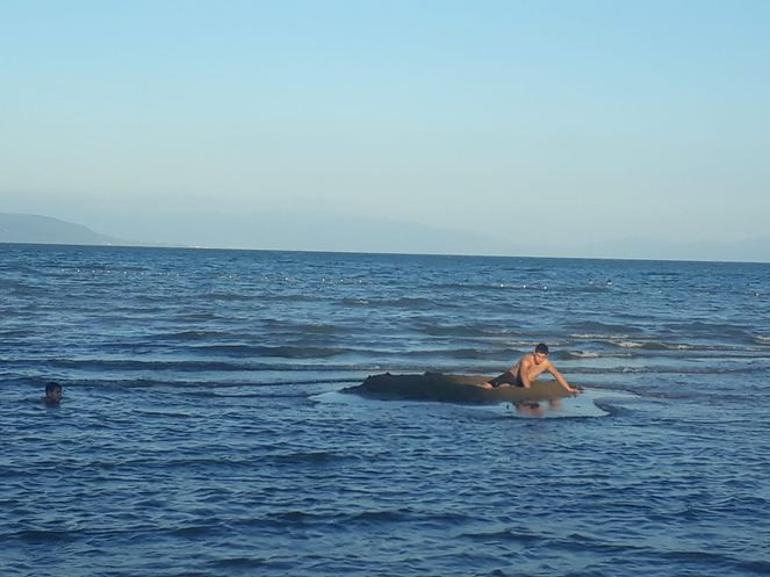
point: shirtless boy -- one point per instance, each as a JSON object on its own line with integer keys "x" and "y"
{"x": 529, "y": 367}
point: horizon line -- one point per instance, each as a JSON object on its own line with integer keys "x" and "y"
{"x": 128, "y": 245}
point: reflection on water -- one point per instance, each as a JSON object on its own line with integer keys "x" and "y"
{"x": 538, "y": 409}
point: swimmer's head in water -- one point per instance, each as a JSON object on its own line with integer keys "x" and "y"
{"x": 53, "y": 393}
{"x": 541, "y": 353}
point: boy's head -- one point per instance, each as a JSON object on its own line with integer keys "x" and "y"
{"x": 541, "y": 353}
{"x": 53, "y": 392}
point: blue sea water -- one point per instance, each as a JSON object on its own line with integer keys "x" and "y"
{"x": 200, "y": 434}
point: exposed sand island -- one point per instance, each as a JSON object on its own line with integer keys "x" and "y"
{"x": 453, "y": 389}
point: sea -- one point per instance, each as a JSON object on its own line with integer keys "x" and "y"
{"x": 203, "y": 433}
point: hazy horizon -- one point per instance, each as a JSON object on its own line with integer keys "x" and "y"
{"x": 335, "y": 237}
{"x": 563, "y": 128}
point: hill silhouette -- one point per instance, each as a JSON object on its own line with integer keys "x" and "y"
{"x": 36, "y": 229}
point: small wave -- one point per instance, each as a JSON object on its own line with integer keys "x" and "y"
{"x": 291, "y": 298}
{"x": 228, "y": 297}
{"x": 505, "y": 535}
{"x": 711, "y": 330}
{"x": 400, "y": 303}
{"x": 291, "y": 517}
{"x": 269, "y": 395}
{"x": 355, "y": 302}
{"x": 495, "y": 286}
{"x": 286, "y": 352}
{"x": 762, "y": 340}
{"x": 238, "y": 563}
{"x": 317, "y": 328}
{"x": 466, "y": 353}
{"x": 593, "y": 288}
{"x": 454, "y": 330}
{"x": 381, "y": 516}
{"x": 598, "y": 336}
{"x": 193, "y": 530}
{"x": 600, "y": 328}
{"x": 200, "y": 317}
{"x": 310, "y": 457}
{"x": 581, "y": 355}
{"x": 195, "y": 335}
{"x": 629, "y": 344}
{"x": 655, "y": 346}
{"x": 136, "y": 365}
{"x": 659, "y": 370}
{"x": 158, "y": 413}
{"x": 206, "y": 387}
{"x": 182, "y": 366}
{"x": 299, "y": 327}
{"x": 16, "y": 333}
{"x": 44, "y": 536}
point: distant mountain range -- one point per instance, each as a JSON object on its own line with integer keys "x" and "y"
{"x": 35, "y": 229}
{"x": 330, "y": 232}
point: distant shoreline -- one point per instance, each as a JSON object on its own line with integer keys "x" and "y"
{"x": 360, "y": 253}
{"x": 332, "y": 237}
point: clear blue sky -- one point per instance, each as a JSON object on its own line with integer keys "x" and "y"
{"x": 559, "y": 124}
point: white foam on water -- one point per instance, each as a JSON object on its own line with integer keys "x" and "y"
{"x": 629, "y": 344}
{"x": 583, "y": 355}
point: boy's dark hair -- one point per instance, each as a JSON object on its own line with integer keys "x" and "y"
{"x": 542, "y": 348}
{"x": 50, "y": 387}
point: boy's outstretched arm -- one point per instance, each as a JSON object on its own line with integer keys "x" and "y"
{"x": 561, "y": 380}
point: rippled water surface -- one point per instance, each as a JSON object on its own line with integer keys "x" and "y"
{"x": 200, "y": 433}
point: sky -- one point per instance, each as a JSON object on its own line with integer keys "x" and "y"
{"x": 565, "y": 128}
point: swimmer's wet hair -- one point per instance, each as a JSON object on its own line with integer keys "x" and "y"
{"x": 50, "y": 387}
{"x": 542, "y": 348}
